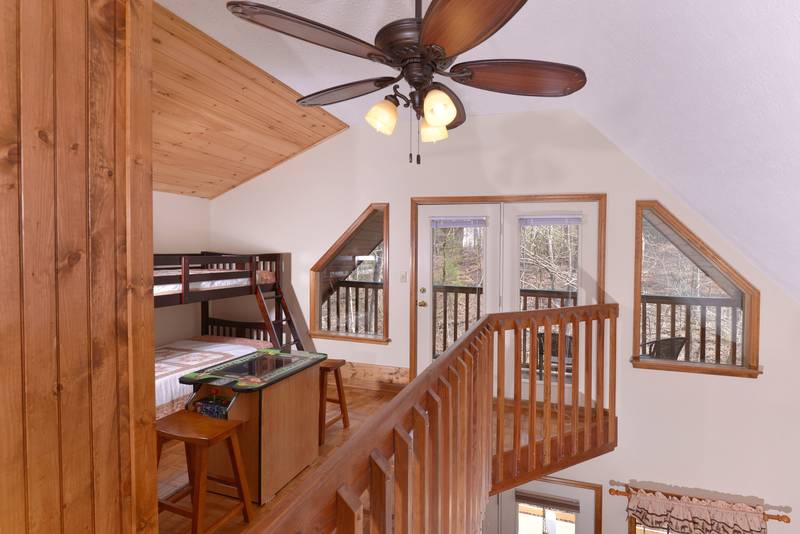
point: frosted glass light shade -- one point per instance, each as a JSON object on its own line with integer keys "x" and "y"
{"x": 383, "y": 117}
{"x": 431, "y": 134}
{"x": 439, "y": 108}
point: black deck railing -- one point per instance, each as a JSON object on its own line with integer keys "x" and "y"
{"x": 353, "y": 308}
{"x": 700, "y": 329}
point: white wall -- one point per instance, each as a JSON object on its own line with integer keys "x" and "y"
{"x": 719, "y": 433}
{"x": 180, "y": 224}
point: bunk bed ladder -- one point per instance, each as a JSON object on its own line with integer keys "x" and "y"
{"x": 283, "y": 317}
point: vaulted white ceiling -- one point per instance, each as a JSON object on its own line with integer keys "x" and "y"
{"x": 705, "y": 96}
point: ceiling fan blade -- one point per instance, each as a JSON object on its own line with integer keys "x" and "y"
{"x": 458, "y": 25}
{"x": 306, "y": 30}
{"x": 521, "y": 77}
{"x": 346, "y": 91}
{"x": 461, "y": 115}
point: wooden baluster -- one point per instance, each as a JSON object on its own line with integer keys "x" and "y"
{"x": 445, "y": 394}
{"x": 658, "y": 321}
{"x": 434, "y": 306}
{"x": 644, "y": 326}
{"x": 338, "y": 311}
{"x": 501, "y": 404}
{"x": 575, "y": 381}
{"x": 600, "y": 374}
{"x": 358, "y": 306}
{"x": 533, "y": 360}
{"x": 457, "y": 477}
{"x": 420, "y": 486}
{"x": 517, "y": 436}
{"x": 718, "y": 335}
{"x": 349, "y": 512}
{"x": 347, "y": 306}
{"x": 672, "y": 320}
{"x": 455, "y": 315}
{"x": 488, "y": 437}
{"x": 444, "y": 321}
{"x": 376, "y": 294}
{"x": 464, "y": 428}
{"x": 471, "y": 458}
{"x": 380, "y": 494}
{"x": 548, "y": 390}
{"x": 587, "y": 386}
{"x": 688, "y": 327}
{"x": 734, "y": 333}
{"x": 702, "y": 333}
{"x": 435, "y": 454}
{"x": 612, "y": 378}
{"x": 466, "y": 312}
{"x": 403, "y": 458}
{"x": 562, "y": 379}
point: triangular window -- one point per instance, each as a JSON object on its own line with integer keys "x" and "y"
{"x": 349, "y": 295}
{"x": 694, "y": 311}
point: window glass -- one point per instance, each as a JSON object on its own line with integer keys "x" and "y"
{"x": 350, "y": 280}
{"x": 532, "y": 519}
{"x": 692, "y": 306}
{"x": 458, "y": 277}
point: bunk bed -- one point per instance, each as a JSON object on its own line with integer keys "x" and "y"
{"x": 187, "y": 278}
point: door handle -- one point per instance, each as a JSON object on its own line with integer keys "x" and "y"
{"x": 422, "y": 304}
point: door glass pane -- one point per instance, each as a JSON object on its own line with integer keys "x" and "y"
{"x": 458, "y": 270}
{"x": 548, "y": 276}
{"x": 532, "y": 519}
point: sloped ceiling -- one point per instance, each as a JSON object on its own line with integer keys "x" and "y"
{"x": 705, "y": 96}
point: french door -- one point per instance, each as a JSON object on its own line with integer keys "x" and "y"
{"x": 475, "y": 259}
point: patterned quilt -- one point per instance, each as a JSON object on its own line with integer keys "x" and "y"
{"x": 181, "y": 357}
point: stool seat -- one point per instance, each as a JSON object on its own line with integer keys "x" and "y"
{"x": 191, "y": 427}
{"x": 330, "y": 364}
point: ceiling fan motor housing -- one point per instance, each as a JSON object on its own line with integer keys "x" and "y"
{"x": 400, "y": 40}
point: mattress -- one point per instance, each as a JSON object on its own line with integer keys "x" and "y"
{"x": 263, "y": 277}
{"x": 181, "y": 357}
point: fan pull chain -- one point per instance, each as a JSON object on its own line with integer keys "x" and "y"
{"x": 410, "y": 137}
{"x": 419, "y": 158}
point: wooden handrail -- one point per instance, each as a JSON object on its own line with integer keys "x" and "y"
{"x": 449, "y": 453}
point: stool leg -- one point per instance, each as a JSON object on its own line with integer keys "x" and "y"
{"x": 323, "y": 404}
{"x": 240, "y": 476}
{"x": 159, "y": 448}
{"x": 337, "y": 373}
{"x": 200, "y": 464}
{"x": 190, "y": 466}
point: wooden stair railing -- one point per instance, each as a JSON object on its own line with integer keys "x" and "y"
{"x": 427, "y": 461}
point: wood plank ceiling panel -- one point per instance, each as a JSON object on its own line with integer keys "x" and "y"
{"x": 218, "y": 120}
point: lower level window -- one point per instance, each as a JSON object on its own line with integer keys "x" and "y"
{"x": 635, "y": 527}
{"x": 545, "y": 514}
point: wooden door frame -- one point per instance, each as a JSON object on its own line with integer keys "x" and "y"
{"x": 416, "y": 202}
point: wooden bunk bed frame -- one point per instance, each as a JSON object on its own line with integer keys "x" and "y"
{"x": 206, "y": 276}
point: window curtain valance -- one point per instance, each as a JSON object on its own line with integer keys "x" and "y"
{"x": 690, "y": 515}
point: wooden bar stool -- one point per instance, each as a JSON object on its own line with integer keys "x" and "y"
{"x": 325, "y": 368}
{"x": 199, "y": 433}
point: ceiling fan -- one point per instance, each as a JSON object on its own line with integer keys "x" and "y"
{"x": 420, "y": 48}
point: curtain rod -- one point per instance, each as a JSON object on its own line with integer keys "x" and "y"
{"x": 783, "y": 518}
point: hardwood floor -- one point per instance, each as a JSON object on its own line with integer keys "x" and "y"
{"x": 172, "y": 471}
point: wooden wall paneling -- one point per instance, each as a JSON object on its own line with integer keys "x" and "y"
{"x": 102, "y": 264}
{"x": 135, "y": 259}
{"x": 209, "y": 103}
{"x": 72, "y": 277}
{"x": 12, "y": 445}
{"x": 76, "y": 268}
{"x": 38, "y": 197}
